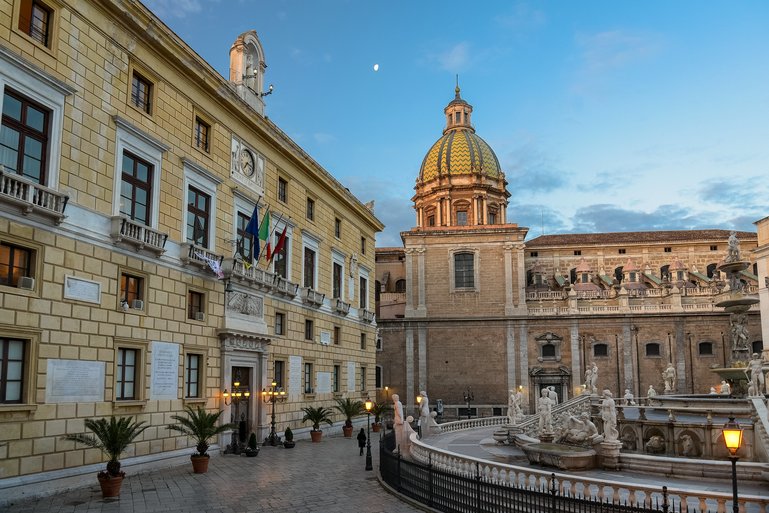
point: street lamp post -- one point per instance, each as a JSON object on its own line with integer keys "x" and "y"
{"x": 239, "y": 394}
{"x": 733, "y": 442}
{"x": 468, "y": 394}
{"x": 273, "y": 395}
{"x": 369, "y": 465}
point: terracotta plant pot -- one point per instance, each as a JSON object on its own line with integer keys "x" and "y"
{"x": 315, "y": 436}
{"x": 199, "y": 464}
{"x": 376, "y": 427}
{"x": 110, "y": 485}
{"x": 347, "y": 430}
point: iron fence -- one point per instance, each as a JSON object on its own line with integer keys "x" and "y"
{"x": 453, "y": 493}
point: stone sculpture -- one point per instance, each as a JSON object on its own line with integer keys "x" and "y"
{"x": 552, "y": 394}
{"x": 398, "y": 423}
{"x": 424, "y": 413}
{"x": 726, "y": 388}
{"x": 669, "y": 375}
{"x": 589, "y": 380}
{"x": 739, "y": 331}
{"x": 655, "y": 445}
{"x": 514, "y": 412}
{"x": 545, "y": 410}
{"x": 407, "y": 432}
{"x": 757, "y": 379}
{"x": 733, "y": 251}
{"x": 687, "y": 446}
{"x": 580, "y": 431}
{"x": 651, "y": 392}
{"x": 594, "y": 379}
{"x": 628, "y": 398}
{"x": 609, "y": 417}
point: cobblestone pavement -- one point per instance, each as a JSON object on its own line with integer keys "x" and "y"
{"x": 328, "y": 477}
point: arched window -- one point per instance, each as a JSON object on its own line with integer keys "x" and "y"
{"x": 464, "y": 273}
{"x": 573, "y": 275}
{"x": 400, "y": 286}
{"x": 548, "y": 351}
{"x": 600, "y": 350}
{"x": 653, "y": 349}
{"x": 706, "y": 348}
{"x": 665, "y": 272}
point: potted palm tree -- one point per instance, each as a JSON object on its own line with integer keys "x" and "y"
{"x": 288, "y": 439}
{"x": 349, "y": 408}
{"x": 112, "y": 436}
{"x": 316, "y": 415}
{"x": 379, "y": 409}
{"x": 201, "y": 426}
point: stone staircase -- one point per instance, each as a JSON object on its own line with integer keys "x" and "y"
{"x": 528, "y": 429}
{"x": 760, "y": 429}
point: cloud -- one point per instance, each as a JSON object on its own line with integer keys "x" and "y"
{"x": 614, "y": 218}
{"x": 530, "y": 169}
{"x": 173, "y": 8}
{"x": 732, "y": 193}
{"x": 604, "y": 181}
{"x": 539, "y": 218}
{"x": 455, "y": 59}
{"x": 615, "y": 48}
{"x": 523, "y": 16}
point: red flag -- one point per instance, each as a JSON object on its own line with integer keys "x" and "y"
{"x": 280, "y": 244}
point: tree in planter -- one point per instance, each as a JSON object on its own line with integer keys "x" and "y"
{"x": 316, "y": 415}
{"x": 112, "y": 437}
{"x": 288, "y": 438}
{"x": 379, "y": 409}
{"x": 253, "y": 448}
{"x": 349, "y": 408}
{"x": 201, "y": 426}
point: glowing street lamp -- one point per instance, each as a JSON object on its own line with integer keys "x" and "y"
{"x": 733, "y": 441}
{"x": 369, "y": 404}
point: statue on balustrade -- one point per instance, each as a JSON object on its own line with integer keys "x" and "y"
{"x": 628, "y": 398}
{"x": 398, "y": 423}
{"x": 739, "y": 331}
{"x": 651, "y": 392}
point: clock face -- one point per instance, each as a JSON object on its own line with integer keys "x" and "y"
{"x": 247, "y": 162}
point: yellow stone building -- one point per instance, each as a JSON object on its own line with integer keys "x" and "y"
{"x": 469, "y": 308}
{"x": 129, "y": 284}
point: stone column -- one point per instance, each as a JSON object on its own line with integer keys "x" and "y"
{"x": 627, "y": 358}
{"x": 511, "y": 352}
{"x": 422, "y": 355}
{"x": 521, "y": 277}
{"x": 576, "y": 357}
{"x": 523, "y": 351}
{"x": 508, "y": 276}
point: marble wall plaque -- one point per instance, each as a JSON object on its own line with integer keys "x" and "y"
{"x": 74, "y": 381}
{"x": 351, "y": 376}
{"x": 165, "y": 371}
{"x": 82, "y": 290}
{"x": 323, "y": 383}
{"x": 294, "y": 375}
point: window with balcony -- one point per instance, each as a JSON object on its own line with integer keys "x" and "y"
{"x": 245, "y": 240}
{"x": 198, "y": 214}
{"x": 337, "y": 280}
{"x": 308, "y": 273}
{"x": 280, "y": 258}
{"x": 24, "y": 137}
{"x": 136, "y": 189}
{"x": 16, "y": 262}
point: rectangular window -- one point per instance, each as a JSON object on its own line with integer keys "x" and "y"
{"x": 12, "y": 357}
{"x": 198, "y": 212}
{"x": 337, "y": 281}
{"x": 308, "y": 329}
{"x": 136, "y": 188}
{"x": 35, "y": 21}
{"x": 431, "y": 221}
{"x": 310, "y": 209}
{"x": 280, "y": 260}
{"x": 202, "y": 135}
{"x": 195, "y": 310}
{"x": 278, "y": 373}
{"x": 280, "y": 323}
{"x": 309, "y": 268}
{"x": 338, "y": 228}
{"x": 141, "y": 92}
{"x": 363, "y": 387}
{"x": 127, "y": 361}
{"x": 24, "y": 137}
{"x": 668, "y": 250}
{"x": 464, "y": 274}
{"x": 308, "y": 378}
{"x": 714, "y": 248}
{"x": 363, "y": 341}
{"x": 492, "y": 218}
{"x": 282, "y": 190}
{"x": 337, "y": 378}
{"x": 192, "y": 378}
{"x": 363, "y": 245}
{"x": 15, "y": 263}
{"x": 337, "y": 335}
{"x": 621, "y": 251}
{"x": 534, "y": 254}
{"x": 245, "y": 245}
{"x": 577, "y": 252}
{"x": 131, "y": 288}
{"x": 378, "y": 376}
{"x": 461, "y": 218}
{"x": 363, "y": 292}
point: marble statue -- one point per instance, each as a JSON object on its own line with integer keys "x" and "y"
{"x": 739, "y": 331}
{"x": 589, "y": 380}
{"x": 651, "y": 392}
{"x": 713, "y": 391}
{"x": 733, "y": 251}
{"x": 424, "y": 413}
{"x": 514, "y": 412}
{"x": 669, "y": 375}
{"x": 757, "y": 379}
{"x": 545, "y": 410}
{"x": 628, "y": 398}
{"x": 609, "y": 417}
{"x": 687, "y": 446}
{"x": 552, "y": 394}
{"x": 398, "y": 423}
{"x": 726, "y": 388}
{"x": 655, "y": 445}
{"x": 580, "y": 431}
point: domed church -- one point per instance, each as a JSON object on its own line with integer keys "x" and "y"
{"x": 470, "y": 307}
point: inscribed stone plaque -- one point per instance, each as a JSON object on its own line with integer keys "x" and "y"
{"x": 323, "y": 383}
{"x": 82, "y": 289}
{"x": 74, "y": 381}
{"x": 165, "y": 371}
{"x": 294, "y": 375}
{"x": 351, "y": 376}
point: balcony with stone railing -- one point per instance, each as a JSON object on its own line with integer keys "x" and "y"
{"x": 260, "y": 278}
{"x": 199, "y": 256}
{"x": 340, "y": 306}
{"x": 31, "y": 197}
{"x": 130, "y": 232}
{"x": 312, "y": 297}
{"x": 285, "y": 287}
{"x": 366, "y": 315}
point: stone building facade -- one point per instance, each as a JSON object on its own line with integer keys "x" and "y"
{"x": 129, "y": 283}
{"x": 469, "y": 307}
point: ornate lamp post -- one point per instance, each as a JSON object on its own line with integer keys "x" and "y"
{"x": 469, "y": 397}
{"x": 733, "y": 441}
{"x": 369, "y": 404}
{"x": 274, "y": 394}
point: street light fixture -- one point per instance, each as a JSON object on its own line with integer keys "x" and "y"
{"x": 733, "y": 441}
{"x": 469, "y": 397}
{"x": 274, "y": 394}
{"x": 369, "y": 404}
{"x": 240, "y": 393}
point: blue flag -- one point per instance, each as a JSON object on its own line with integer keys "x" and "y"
{"x": 253, "y": 229}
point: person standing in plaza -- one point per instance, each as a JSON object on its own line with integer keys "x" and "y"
{"x": 362, "y": 440}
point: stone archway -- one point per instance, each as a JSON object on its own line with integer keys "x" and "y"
{"x": 545, "y": 377}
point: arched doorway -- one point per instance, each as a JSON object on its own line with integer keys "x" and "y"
{"x": 559, "y": 378}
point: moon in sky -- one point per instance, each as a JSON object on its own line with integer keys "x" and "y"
{"x": 376, "y": 67}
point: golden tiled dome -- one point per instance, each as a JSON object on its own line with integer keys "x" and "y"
{"x": 459, "y": 151}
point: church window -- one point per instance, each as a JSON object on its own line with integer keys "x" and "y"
{"x": 431, "y": 221}
{"x": 461, "y": 218}
{"x": 548, "y": 351}
{"x": 600, "y": 350}
{"x": 668, "y": 249}
{"x": 711, "y": 270}
{"x": 400, "y": 286}
{"x": 457, "y": 116}
{"x": 714, "y": 248}
{"x": 706, "y": 348}
{"x": 492, "y": 218}
{"x": 585, "y": 277}
{"x": 652, "y": 349}
{"x": 632, "y": 277}
{"x": 463, "y": 270}
{"x": 679, "y": 275}
{"x": 534, "y": 254}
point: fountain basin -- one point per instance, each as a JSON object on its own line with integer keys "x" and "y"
{"x": 564, "y": 457}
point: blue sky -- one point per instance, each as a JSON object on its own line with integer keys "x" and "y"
{"x": 605, "y": 115}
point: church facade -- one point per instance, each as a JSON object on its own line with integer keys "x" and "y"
{"x": 469, "y": 308}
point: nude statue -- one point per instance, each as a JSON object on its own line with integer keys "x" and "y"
{"x": 609, "y": 417}
{"x": 553, "y": 395}
{"x": 651, "y": 392}
{"x": 424, "y": 413}
{"x": 739, "y": 331}
{"x": 726, "y": 388}
{"x": 628, "y": 398}
{"x": 545, "y": 410}
{"x": 398, "y": 423}
{"x": 580, "y": 431}
{"x": 669, "y": 375}
{"x": 594, "y": 379}
{"x": 514, "y": 412}
{"x": 757, "y": 379}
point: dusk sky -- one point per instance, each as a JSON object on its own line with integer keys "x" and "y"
{"x": 605, "y": 115}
